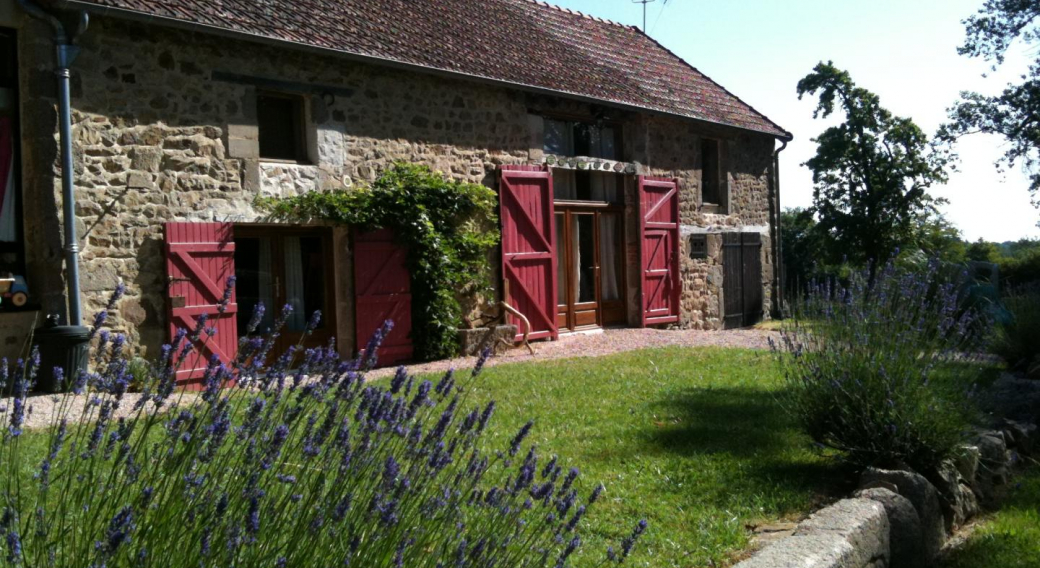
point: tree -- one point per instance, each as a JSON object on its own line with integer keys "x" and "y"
{"x": 804, "y": 256}
{"x": 983, "y": 251}
{"x": 871, "y": 173}
{"x": 1015, "y": 113}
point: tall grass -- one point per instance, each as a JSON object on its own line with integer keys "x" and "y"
{"x": 878, "y": 369}
{"x": 281, "y": 460}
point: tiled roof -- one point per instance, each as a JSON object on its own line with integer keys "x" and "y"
{"x": 525, "y": 42}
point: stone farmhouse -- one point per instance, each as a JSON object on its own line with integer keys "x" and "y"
{"x": 634, "y": 190}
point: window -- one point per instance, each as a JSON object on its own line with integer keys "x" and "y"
{"x": 281, "y": 120}
{"x": 280, "y": 266}
{"x": 12, "y": 250}
{"x": 711, "y": 173}
{"x": 568, "y": 138}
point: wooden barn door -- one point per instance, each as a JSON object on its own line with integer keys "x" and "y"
{"x": 528, "y": 246}
{"x": 200, "y": 257}
{"x": 742, "y": 279}
{"x": 659, "y": 237}
{"x": 382, "y": 288}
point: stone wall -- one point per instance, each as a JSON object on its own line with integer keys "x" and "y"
{"x": 165, "y": 130}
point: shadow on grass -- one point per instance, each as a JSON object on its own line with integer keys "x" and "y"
{"x": 749, "y": 426}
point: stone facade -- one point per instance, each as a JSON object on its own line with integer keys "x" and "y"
{"x": 165, "y": 129}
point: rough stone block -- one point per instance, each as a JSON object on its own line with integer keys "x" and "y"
{"x": 852, "y": 533}
{"x": 473, "y": 341}
{"x": 243, "y": 148}
{"x": 905, "y": 532}
{"x": 925, "y": 499}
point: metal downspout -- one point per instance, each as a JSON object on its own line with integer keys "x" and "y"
{"x": 66, "y": 53}
{"x": 778, "y": 254}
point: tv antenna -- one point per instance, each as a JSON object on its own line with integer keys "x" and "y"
{"x": 644, "y": 3}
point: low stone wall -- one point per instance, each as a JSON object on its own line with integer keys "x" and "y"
{"x": 901, "y": 518}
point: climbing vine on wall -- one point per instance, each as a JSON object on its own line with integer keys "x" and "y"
{"x": 449, "y": 228}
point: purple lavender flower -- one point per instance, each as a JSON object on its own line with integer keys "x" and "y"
{"x": 257, "y": 317}
{"x": 229, "y": 290}
{"x": 514, "y": 444}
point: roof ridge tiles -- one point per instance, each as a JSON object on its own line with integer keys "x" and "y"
{"x": 579, "y": 13}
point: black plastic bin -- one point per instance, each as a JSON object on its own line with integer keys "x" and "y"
{"x": 65, "y": 346}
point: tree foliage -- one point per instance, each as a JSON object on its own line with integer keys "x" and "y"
{"x": 449, "y": 228}
{"x": 871, "y": 173}
{"x": 1015, "y": 113}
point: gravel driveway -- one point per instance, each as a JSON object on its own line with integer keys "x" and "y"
{"x": 605, "y": 342}
{"x": 41, "y": 407}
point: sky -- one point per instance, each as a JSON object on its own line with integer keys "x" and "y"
{"x": 903, "y": 50}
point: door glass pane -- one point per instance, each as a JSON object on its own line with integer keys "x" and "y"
{"x": 304, "y": 280}
{"x": 585, "y": 251}
{"x": 561, "y": 262}
{"x": 254, "y": 282}
{"x": 610, "y": 257}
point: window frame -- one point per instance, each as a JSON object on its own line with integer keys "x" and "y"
{"x": 720, "y": 174}
{"x": 300, "y": 102}
{"x": 574, "y": 120}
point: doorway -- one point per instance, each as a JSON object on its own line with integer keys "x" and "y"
{"x": 286, "y": 266}
{"x": 589, "y": 281}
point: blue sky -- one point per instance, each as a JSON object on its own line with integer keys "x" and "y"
{"x": 904, "y": 50}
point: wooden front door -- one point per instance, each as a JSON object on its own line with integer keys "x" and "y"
{"x": 200, "y": 257}
{"x": 528, "y": 237}
{"x": 590, "y": 273}
{"x": 742, "y": 279}
{"x": 382, "y": 291}
{"x": 286, "y": 266}
{"x": 659, "y": 238}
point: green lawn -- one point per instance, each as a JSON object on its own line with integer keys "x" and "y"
{"x": 692, "y": 439}
{"x": 1010, "y": 538}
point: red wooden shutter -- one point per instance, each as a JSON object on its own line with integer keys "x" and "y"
{"x": 528, "y": 246}
{"x": 659, "y": 235}
{"x": 200, "y": 257}
{"x": 382, "y": 291}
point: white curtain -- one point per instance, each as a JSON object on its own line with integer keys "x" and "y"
{"x": 604, "y": 187}
{"x": 7, "y": 205}
{"x": 608, "y": 257}
{"x": 7, "y": 220}
{"x": 265, "y": 288}
{"x": 561, "y": 262}
{"x": 564, "y": 186}
{"x": 294, "y": 283}
{"x": 576, "y": 264}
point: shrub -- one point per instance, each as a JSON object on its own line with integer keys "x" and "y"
{"x": 878, "y": 371}
{"x": 276, "y": 465}
{"x": 1016, "y": 337}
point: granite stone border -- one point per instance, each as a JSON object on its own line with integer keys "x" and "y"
{"x": 902, "y": 518}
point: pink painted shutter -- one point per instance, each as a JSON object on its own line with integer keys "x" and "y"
{"x": 383, "y": 291}
{"x": 528, "y": 246}
{"x": 659, "y": 236}
{"x": 200, "y": 257}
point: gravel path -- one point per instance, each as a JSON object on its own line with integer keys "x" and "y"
{"x": 605, "y": 342}
{"x": 41, "y": 408}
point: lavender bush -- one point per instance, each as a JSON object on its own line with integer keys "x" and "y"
{"x": 882, "y": 371}
{"x": 281, "y": 460}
